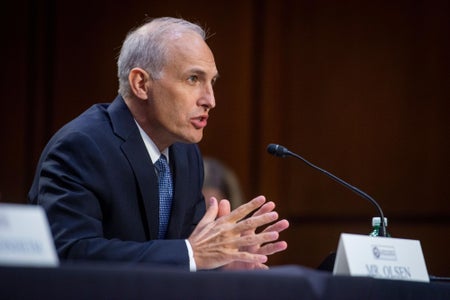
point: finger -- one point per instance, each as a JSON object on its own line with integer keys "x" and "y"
{"x": 272, "y": 248}
{"x": 238, "y": 265}
{"x": 244, "y": 242}
{"x": 210, "y": 215}
{"x": 252, "y": 223}
{"x": 208, "y": 202}
{"x": 259, "y": 267}
{"x": 278, "y": 226}
{"x": 224, "y": 208}
{"x": 243, "y": 210}
{"x": 249, "y": 257}
{"x": 267, "y": 207}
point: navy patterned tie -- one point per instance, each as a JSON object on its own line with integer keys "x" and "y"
{"x": 165, "y": 194}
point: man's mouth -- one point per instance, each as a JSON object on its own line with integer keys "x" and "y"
{"x": 200, "y": 122}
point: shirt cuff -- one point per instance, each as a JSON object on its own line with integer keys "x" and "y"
{"x": 192, "y": 265}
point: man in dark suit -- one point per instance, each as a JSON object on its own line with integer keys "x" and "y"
{"x": 99, "y": 181}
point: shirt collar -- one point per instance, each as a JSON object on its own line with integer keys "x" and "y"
{"x": 152, "y": 149}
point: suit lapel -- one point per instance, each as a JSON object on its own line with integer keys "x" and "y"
{"x": 134, "y": 149}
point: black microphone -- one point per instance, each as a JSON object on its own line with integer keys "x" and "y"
{"x": 280, "y": 151}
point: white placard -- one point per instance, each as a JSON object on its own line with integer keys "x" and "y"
{"x": 25, "y": 237}
{"x": 380, "y": 257}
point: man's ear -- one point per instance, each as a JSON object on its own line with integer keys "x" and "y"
{"x": 140, "y": 82}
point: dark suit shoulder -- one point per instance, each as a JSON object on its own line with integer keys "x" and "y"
{"x": 90, "y": 121}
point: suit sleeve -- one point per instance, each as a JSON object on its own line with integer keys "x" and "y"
{"x": 73, "y": 184}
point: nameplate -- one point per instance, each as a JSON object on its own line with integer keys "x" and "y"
{"x": 25, "y": 237}
{"x": 380, "y": 257}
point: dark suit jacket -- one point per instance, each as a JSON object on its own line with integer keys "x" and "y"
{"x": 98, "y": 186}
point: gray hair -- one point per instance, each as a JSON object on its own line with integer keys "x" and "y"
{"x": 147, "y": 46}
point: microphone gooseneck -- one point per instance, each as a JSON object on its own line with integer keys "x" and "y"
{"x": 280, "y": 151}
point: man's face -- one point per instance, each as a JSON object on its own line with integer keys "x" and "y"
{"x": 183, "y": 96}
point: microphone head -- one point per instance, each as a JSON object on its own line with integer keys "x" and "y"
{"x": 277, "y": 150}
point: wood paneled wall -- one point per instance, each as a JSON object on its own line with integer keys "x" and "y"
{"x": 360, "y": 88}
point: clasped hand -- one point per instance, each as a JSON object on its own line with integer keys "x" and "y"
{"x": 228, "y": 239}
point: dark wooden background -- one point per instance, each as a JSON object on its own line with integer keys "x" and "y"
{"x": 361, "y": 88}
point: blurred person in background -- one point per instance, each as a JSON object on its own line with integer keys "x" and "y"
{"x": 221, "y": 182}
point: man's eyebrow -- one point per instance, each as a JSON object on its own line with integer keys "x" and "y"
{"x": 201, "y": 72}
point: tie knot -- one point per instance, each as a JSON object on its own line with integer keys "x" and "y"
{"x": 161, "y": 164}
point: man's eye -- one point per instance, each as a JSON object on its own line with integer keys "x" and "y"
{"x": 193, "y": 78}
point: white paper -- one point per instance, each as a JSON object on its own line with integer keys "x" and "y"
{"x": 25, "y": 237}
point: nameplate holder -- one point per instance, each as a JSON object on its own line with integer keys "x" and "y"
{"x": 25, "y": 237}
{"x": 380, "y": 257}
